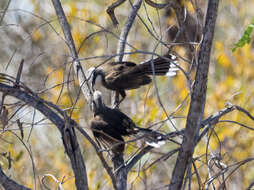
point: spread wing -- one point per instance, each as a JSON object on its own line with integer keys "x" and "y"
{"x": 119, "y": 122}
{"x": 125, "y": 75}
{"x": 107, "y": 136}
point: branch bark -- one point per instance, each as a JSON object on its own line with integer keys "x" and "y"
{"x": 126, "y": 29}
{"x": 122, "y": 41}
{"x": 65, "y": 127}
{"x": 198, "y": 99}
{"x": 121, "y": 171}
{"x": 85, "y": 87}
{"x": 9, "y": 184}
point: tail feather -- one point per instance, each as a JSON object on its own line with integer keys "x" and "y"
{"x": 161, "y": 65}
{"x": 152, "y": 138}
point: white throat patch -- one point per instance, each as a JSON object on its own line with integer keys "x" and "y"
{"x": 97, "y": 95}
{"x": 89, "y": 73}
{"x": 98, "y": 79}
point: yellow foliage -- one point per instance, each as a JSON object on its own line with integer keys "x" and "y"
{"x": 153, "y": 113}
{"x": 73, "y": 9}
{"x": 84, "y": 13}
{"x": 223, "y": 60}
{"x": 78, "y": 37}
{"x": 37, "y": 35}
{"x": 219, "y": 46}
{"x": 239, "y": 153}
{"x": 234, "y": 2}
{"x": 189, "y": 6}
{"x": 233, "y": 73}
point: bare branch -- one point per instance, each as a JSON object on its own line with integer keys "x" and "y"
{"x": 138, "y": 157}
{"x": 4, "y": 11}
{"x": 244, "y": 111}
{"x": 123, "y": 38}
{"x": 74, "y": 154}
{"x": 156, "y": 5}
{"x": 111, "y": 9}
{"x": 214, "y": 119}
{"x": 9, "y": 184}
{"x": 19, "y": 72}
{"x": 250, "y": 186}
{"x": 126, "y": 29}
{"x": 222, "y": 172}
{"x": 69, "y": 40}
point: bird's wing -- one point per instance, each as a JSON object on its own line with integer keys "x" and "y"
{"x": 124, "y": 75}
{"x": 102, "y": 126}
{"x": 106, "y": 135}
{"x": 121, "y": 122}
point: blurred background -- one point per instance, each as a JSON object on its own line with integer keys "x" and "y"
{"x": 30, "y": 30}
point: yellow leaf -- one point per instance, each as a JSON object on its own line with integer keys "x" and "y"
{"x": 36, "y": 35}
{"x": 224, "y": 60}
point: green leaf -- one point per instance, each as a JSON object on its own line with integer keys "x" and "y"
{"x": 246, "y": 37}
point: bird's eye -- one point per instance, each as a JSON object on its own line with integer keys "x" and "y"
{"x": 121, "y": 67}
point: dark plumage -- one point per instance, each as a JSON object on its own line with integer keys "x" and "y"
{"x": 110, "y": 125}
{"x": 121, "y": 76}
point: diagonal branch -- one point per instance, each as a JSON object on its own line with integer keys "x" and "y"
{"x": 138, "y": 157}
{"x": 9, "y": 184}
{"x": 123, "y": 38}
{"x": 68, "y": 135}
{"x": 126, "y": 29}
{"x": 85, "y": 87}
{"x": 70, "y": 43}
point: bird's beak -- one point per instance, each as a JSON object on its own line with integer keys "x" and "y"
{"x": 94, "y": 76}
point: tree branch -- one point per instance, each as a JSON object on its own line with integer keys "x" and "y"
{"x": 198, "y": 99}
{"x": 126, "y": 29}
{"x": 123, "y": 38}
{"x": 137, "y": 157}
{"x": 68, "y": 134}
{"x": 9, "y": 184}
{"x": 111, "y": 9}
{"x": 86, "y": 89}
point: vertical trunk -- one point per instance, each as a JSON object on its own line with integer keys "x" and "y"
{"x": 120, "y": 172}
{"x": 198, "y": 98}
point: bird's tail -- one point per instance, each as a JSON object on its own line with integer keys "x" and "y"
{"x": 162, "y": 66}
{"x": 152, "y": 138}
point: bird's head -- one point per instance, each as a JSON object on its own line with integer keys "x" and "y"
{"x": 90, "y": 73}
{"x": 98, "y": 101}
{"x": 96, "y": 74}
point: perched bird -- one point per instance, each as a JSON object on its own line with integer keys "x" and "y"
{"x": 110, "y": 125}
{"x": 121, "y": 76}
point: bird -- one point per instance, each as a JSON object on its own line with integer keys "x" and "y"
{"x": 126, "y": 75}
{"x": 110, "y": 125}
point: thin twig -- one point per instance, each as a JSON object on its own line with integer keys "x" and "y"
{"x": 4, "y": 11}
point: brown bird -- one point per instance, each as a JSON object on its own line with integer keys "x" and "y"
{"x": 121, "y": 76}
{"x": 110, "y": 125}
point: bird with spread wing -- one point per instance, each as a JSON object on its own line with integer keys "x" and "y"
{"x": 109, "y": 126}
{"x": 121, "y": 76}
